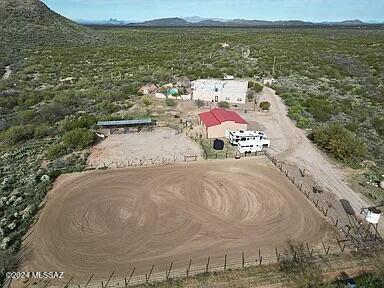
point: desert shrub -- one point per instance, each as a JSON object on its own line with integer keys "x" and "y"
{"x": 53, "y": 112}
{"x": 56, "y": 150}
{"x": 352, "y": 126}
{"x": 265, "y": 105}
{"x": 147, "y": 101}
{"x": 256, "y": 87}
{"x": 170, "y": 102}
{"x": 339, "y": 142}
{"x": 43, "y": 130}
{"x": 16, "y": 134}
{"x": 378, "y": 124}
{"x": 79, "y": 138}
{"x": 320, "y": 108}
{"x": 223, "y": 104}
{"x": 199, "y": 103}
{"x": 84, "y": 121}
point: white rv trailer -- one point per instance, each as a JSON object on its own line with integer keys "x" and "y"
{"x": 249, "y": 146}
{"x": 236, "y": 136}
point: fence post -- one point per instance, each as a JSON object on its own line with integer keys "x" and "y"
{"x": 207, "y": 267}
{"x": 149, "y": 275}
{"x": 130, "y": 277}
{"x": 242, "y": 260}
{"x": 277, "y": 255}
{"x": 326, "y": 250}
{"x": 341, "y": 248}
{"x": 169, "y": 271}
{"x": 66, "y": 285}
{"x": 260, "y": 257}
{"x": 225, "y": 262}
{"x": 89, "y": 280}
{"x": 310, "y": 251}
{"x": 109, "y": 279}
{"x": 189, "y": 267}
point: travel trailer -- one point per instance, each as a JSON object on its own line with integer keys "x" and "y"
{"x": 249, "y": 146}
{"x": 236, "y": 136}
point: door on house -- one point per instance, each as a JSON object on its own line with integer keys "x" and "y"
{"x": 216, "y": 98}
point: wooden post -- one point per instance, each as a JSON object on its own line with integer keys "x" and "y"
{"x": 326, "y": 249}
{"x": 225, "y": 262}
{"x": 147, "y": 277}
{"x": 207, "y": 267}
{"x": 189, "y": 267}
{"x": 277, "y": 255}
{"x": 66, "y": 285}
{"x": 125, "y": 282}
{"x": 89, "y": 280}
{"x": 109, "y": 279}
{"x": 310, "y": 251}
{"x": 169, "y": 271}
{"x": 130, "y": 277}
{"x": 242, "y": 260}
{"x": 102, "y": 285}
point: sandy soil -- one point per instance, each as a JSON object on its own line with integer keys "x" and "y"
{"x": 99, "y": 221}
{"x": 291, "y": 145}
{"x": 144, "y": 148}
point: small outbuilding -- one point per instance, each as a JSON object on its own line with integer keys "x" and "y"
{"x": 218, "y": 122}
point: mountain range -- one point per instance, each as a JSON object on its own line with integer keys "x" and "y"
{"x": 196, "y": 21}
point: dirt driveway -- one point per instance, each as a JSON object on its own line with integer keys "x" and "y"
{"x": 290, "y": 144}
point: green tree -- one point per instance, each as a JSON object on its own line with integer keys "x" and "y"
{"x": 170, "y": 102}
{"x": 340, "y": 142}
{"x": 56, "y": 151}
{"x": 16, "y": 134}
{"x": 79, "y": 138}
{"x": 265, "y": 105}
{"x": 223, "y": 104}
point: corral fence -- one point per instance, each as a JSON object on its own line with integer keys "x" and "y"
{"x": 157, "y": 161}
{"x": 231, "y": 154}
{"x": 314, "y": 253}
{"x": 348, "y": 226}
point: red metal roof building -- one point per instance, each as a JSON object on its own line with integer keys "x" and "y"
{"x": 218, "y": 121}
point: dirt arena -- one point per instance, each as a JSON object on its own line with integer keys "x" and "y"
{"x": 100, "y": 221}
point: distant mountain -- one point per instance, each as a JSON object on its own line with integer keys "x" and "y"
{"x": 30, "y": 23}
{"x": 198, "y": 21}
{"x": 111, "y": 21}
{"x": 165, "y": 22}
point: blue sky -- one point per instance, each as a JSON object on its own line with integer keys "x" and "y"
{"x": 308, "y": 10}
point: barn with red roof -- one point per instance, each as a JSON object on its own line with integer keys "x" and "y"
{"x": 217, "y": 122}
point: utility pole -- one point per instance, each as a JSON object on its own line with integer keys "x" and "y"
{"x": 274, "y": 64}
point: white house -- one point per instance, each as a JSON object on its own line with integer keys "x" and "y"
{"x": 214, "y": 90}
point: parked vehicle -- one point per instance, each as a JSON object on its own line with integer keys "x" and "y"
{"x": 236, "y": 136}
{"x": 249, "y": 146}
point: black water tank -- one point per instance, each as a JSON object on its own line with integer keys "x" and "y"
{"x": 218, "y": 144}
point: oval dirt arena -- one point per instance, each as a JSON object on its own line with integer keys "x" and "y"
{"x": 99, "y": 221}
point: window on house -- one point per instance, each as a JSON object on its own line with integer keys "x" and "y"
{"x": 227, "y": 99}
{"x": 239, "y": 99}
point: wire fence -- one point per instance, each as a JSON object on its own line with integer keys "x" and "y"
{"x": 339, "y": 213}
{"x": 347, "y": 241}
{"x": 316, "y": 253}
{"x": 157, "y": 161}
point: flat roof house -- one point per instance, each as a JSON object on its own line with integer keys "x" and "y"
{"x": 213, "y": 90}
{"x": 218, "y": 122}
